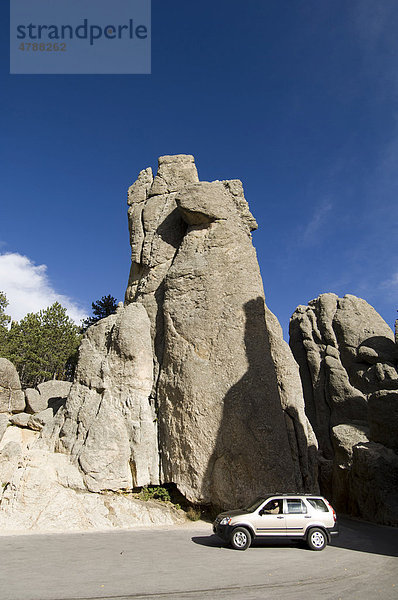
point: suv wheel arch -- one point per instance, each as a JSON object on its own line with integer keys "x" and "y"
{"x": 246, "y": 526}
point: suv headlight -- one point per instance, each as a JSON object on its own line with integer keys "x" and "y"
{"x": 225, "y": 521}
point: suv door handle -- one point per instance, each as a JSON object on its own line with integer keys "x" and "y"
{"x": 279, "y": 517}
{"x": 307, "y": 517}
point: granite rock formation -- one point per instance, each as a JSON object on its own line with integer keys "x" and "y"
{"x": 202, "y": 357}
{"x": 224, "y": 435}
{"x": 190, "y": 382}
{"x": 109, "y": 423}
{"x": 44, "y": 491}
{"x": 348, "y": 362}
{"x": 229, "y": 398}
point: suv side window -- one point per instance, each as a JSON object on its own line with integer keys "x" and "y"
{"x": 296, "y": 507}
{"x": 273, "y": 507}
{"x": 318, "y": 504}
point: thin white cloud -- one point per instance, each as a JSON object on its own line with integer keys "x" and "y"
{"x": 319, "y": 218}
{"x": 28, "y": 288}
{"x": 392, "y": 283}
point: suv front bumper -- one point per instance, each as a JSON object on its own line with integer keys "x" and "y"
{"x": 223, "y": 531}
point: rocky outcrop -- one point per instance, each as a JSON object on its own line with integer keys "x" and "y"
{"x": 373, "y": 484}
{"x": 231, "y": 413}
{"x": 44, "y": 491}
{"x": 349, "y": 368}
{"x": 190, "y": 382}
{"x": 109, "y": 423}
{"x": 202, "y": 356}
{"x": 156, "y": 232}
{"x": 12, "y": 398}
{"x": 223, "y": 432}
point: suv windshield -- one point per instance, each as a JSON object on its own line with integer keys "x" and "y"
{"x": 254, "y": 505}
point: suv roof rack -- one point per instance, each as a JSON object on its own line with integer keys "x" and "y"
{"x": 291, "y": 494}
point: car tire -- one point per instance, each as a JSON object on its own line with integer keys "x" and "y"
{"x": 316, "y": 539}
{"x": 240, "y": 538}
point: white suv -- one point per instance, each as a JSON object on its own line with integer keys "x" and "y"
{"x": 294, "y": 516}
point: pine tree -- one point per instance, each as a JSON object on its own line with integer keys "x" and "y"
{"x": 102, "y": 308}
{"x": 43, "y": 346}
{"x": 4, "y": 319}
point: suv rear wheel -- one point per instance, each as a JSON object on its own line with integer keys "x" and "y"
{"x": 241, "y": 538}
{"x": 316, "y": 539}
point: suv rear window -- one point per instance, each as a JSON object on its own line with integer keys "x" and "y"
{"x": 318, "y": 504}
{"x": 296, "y": 506}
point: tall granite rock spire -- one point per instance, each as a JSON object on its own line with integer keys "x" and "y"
{"x": 227, "y": 389}
{"x": 191, "y": 381}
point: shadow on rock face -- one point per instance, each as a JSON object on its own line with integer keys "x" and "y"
{"x": 253, "y": 452}
{"x": 172, "y": 229}
{"x": 378, "y": 349}
{"x": 55, "y": 404}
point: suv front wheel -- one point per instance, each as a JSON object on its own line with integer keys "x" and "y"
{"x": 240, "y": 538}
{"x": 316, "y": 539}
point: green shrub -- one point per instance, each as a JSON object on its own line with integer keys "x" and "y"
{"x": 155, "y": 493}
{"x": 193, "y": 513}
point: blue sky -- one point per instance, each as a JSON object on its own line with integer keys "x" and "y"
{"x": 296, "y": 99}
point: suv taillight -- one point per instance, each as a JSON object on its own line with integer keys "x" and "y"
{"x": 332, "y": 509}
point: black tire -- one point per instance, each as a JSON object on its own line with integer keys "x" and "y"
{"x": 240, "y": 538}
{"x": 316, "y": 539}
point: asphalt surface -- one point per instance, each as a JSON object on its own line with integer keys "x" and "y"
{"x": 191, "y": 564}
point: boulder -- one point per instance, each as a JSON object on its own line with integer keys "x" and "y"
{"x": 12, "y": 398}
{"x": 47, "y": 394}
{"x": 37, "y": 421}
{"x": 54, "y": 389}
{"x": 41, "y": 419}
{"x": 20, "y": 420}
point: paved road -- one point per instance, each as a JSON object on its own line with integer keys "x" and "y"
{"x": 190, "y": 564}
